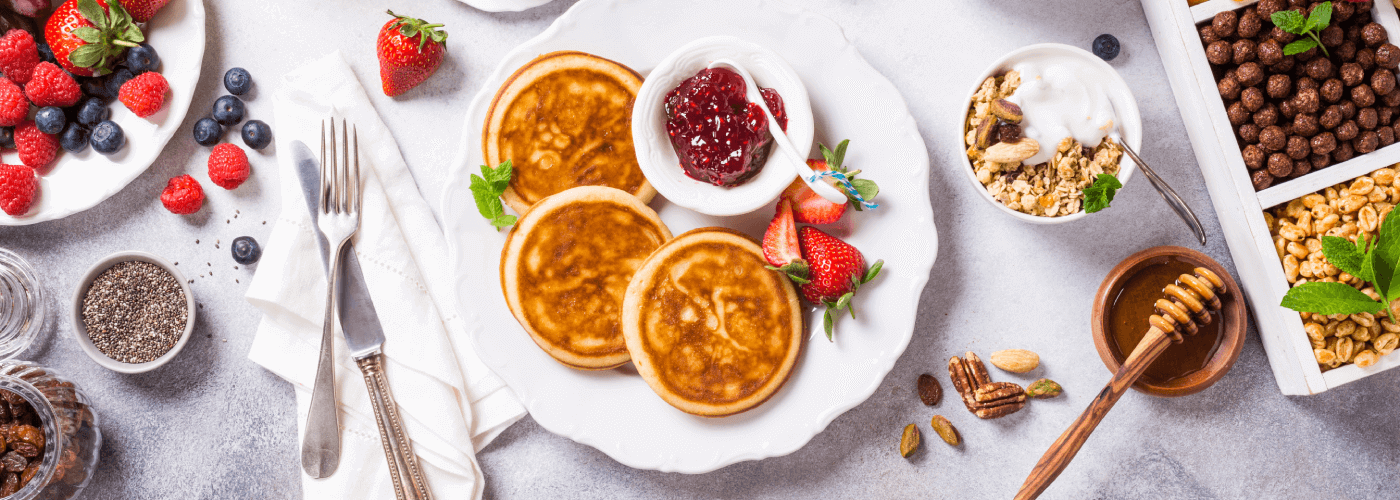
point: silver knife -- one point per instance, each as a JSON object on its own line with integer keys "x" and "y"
{"x": 365, "y": 338}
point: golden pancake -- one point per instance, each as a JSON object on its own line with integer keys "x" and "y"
{"x": 565, "y": 120}
{"x": 566, "y": 266}
{"x": 710, "y": 328}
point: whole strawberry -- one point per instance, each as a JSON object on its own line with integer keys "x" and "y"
{"x": 182, "y": 195}
{"x": 18, "y": 55}
{"x": 409, "y": 50}
{"x": 90, "y": 46}
{"x": 228, "y": 166}
{"x": 144, "y": 95}
{"x": 18, "y": 184}
{"x": 835, "y": 271}
{"x": 143, "y": 10}
{"x": 14, "y": 106}
{"x": 50, "y": 86}
{"x": 36, "y": 148}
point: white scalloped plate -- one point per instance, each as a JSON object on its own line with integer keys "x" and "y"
{"x": 79, "y": 181}
{"x": 614, "y": 411}
{"x": 505, "y": 5}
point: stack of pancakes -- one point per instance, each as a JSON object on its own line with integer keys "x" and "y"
{"x": 594, "y": 276}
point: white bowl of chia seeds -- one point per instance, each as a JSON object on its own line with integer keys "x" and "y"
{"x": 133, "y": 312}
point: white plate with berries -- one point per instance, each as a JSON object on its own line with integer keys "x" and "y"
{"x": 614, "y": 410}
{"x": 75, "y": 181}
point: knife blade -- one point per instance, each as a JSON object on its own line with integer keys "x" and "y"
{"x": 359, "y": 321}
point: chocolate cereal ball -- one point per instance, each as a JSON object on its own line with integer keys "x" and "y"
{"x": 1382, "y": 81}
{"x": 1385, "y": 115}
{"x": 1332, "y": 36}
{"x": 1319, "y": 69}
{"x": 1317, "y": 161}
{"x": 1253, "y": 157}
{"x": 1392, "y": 99}
{"x": 1331, "y": 117}
{"x": 1252, "y": 98}
{"x": 1310, "y": 100}
{"x": 1250, "y": 74}
{"x": 1324, "y": 143}
{"x": 1298, "y": 148}
{"x": 1244, "y": 51}
{"x": 1388, "y": 56}
{"x": 1346, "y": 52}
{"x": 1373, "y": 34}
{"x": 1287, "y": 109}
{"x": 1208, "y": 35}
{"x": 1270, "y": 52}
{"x": 1343, "y": 152}
{"x": 1249, "y": 133}
{"x": 1249, "y": 25}
{"x": 1272, "y": 138}
{"x": 1229, "y": 87}
{"x": 1284, "y": 65}
{"x": 1342, "y": 11}
{"x": 1261, "y": 179}
{"x": 1280, "y": 165}
{"x": 1352, "y": 74}
{"x": 1332, "y": 90}
{"x": 1305, "y": 124}
{"x": 1305, "y": 83}
{"x": 1281, "y": 36}
{"x": 1348, "y": 110}
{"x": 1279, "y": 86}
{"x": 1366, "y": 58}
{"x": 1237, "y": 113}
{"x": 1363, "y": 96}
{"x": 1225, "y": 23}
{"x": 1386, "y": 135}
{"x": 1367, "y": 142}
{"x": 1347, "y": 131}
{"x": 1267, "y": 8}
{"x": 1367, "y": 119}
{"x": 1266, "y": 116}
{"x": 1219, "y": 52}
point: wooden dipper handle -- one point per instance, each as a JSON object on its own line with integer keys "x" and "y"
{"x": 1199, "y": 296}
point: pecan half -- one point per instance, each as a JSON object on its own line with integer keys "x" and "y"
{"x": 998, "y": 399}
{"x": 968, "y": 374}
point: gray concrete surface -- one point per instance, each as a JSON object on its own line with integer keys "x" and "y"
{"x": 213, "y": 425}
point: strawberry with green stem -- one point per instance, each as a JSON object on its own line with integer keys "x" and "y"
{"x": 410, "y": 50}
{"x": 809, "y": 207}
{"x": 836, "y": 270}
{"x": 88, "y": 36}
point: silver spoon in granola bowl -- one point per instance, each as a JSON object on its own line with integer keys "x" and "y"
{"x": 1168, "y": 194}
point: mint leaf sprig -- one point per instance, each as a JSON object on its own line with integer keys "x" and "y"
{"x": 1376, "y": 261}
{"x": 1293, "y": 22}
{"x": 487, "y": 189}
{"x": 1098, "y": 195}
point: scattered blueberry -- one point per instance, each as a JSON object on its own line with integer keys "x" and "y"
{"x": 228, "y": 110}
{"x": 92, "y": 111}
{"x": 1106, "y": 46}
{"x": 74, "y": 138}
{"x": 142, "y": 58}
{"x": 7, "y": 137}
{"x": 238, "y": 81}
{"x": 116, "y": 80}
{"x": 256, "y": 134}
{"x": 95, "y": 87}
{"x": 207, "y": 132}
{"x": 245, "y": 250}
{"x": 107, "y": 137}
{"x": 50, "y": 120}
{"x": 46, "y": 53}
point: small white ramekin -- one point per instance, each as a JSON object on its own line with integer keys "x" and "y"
{"x": 80, "y": 330}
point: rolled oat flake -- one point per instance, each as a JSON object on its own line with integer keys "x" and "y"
{"x": 134, "y": 312}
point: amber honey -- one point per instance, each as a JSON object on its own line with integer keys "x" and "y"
{"x": 1128, "y": 323}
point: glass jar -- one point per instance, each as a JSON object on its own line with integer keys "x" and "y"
{"x": 23, "y": 310}
{"x": 72, "y": 439}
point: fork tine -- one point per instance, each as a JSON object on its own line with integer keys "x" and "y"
{"x": 323, "y": 191}
{"x": 359, "y": 183}
{"x": 334, "y": 187}
{"x": 345, "y": 180}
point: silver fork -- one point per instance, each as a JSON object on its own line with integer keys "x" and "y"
{"x": 338, "y": 220}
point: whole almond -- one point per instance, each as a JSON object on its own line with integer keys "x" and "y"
{"x": 1015, "y": 360}
{"x": 909, "y": 441}
{"x": 1012, "y": 152}
{"x": 945, "y": 430}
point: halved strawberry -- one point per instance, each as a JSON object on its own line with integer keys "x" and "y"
{"x": 780, "y": 246}
{"x": 809, "y": 207}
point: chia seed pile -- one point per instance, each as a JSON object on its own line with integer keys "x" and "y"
{"x": 134, "y": 312}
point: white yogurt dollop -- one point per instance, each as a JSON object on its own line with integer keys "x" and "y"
{"x": 1061, "y": 96}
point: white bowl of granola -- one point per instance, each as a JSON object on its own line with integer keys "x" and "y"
{"x": 1074, "y": 99}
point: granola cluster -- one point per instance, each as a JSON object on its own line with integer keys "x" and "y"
{"x": 1347, "y": 211}
{"x": 1051, "y": 189}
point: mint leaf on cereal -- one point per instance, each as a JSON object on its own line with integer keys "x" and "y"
{"x": 1290, "y": 21}
{"x": 487, "y": 189}
{"x": 1311, "y": 26}
{"x": 1320, "y": 17}
{"x": 1347, "y": 256}
{"x": 1298, "y": 47}
{"x": 1100, "y": 194}
{"x": 1329, "y": 298}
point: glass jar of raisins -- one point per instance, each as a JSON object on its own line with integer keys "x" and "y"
{"x": 23, "y": 311}
{"x": 49, "y": 439}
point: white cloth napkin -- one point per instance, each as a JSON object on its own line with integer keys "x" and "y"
{"x": 451, "y": 403}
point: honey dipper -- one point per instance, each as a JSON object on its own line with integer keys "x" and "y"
{"x": 1188, "y": 303}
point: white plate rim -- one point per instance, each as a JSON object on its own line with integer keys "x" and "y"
{"x": 459, "y": 214}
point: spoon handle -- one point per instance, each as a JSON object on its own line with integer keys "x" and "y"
{"x": 1067, "y": 446}
{"x": 1168, "y": 194}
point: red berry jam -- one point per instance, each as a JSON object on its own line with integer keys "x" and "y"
{"x": 720, "y": 137}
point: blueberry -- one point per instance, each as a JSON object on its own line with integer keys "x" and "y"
{"x": 207, "y": 132}
{"x": 142, "y": 58}
{"x": 50, "y": 120}
{"x": 107, "y": 137}
{"x": 7, "y": 137}
{"x": 116, "y": 80}
{"x": 92, "y": 111}
{"x": 95, "y": 87}
{"x": 238, "y": 81}
{"x": 46, "y": 53}
{"x": 245, "y": 250}
{"x": 256, "y": 134}
{"x": 228, "y": 110}
{"x": 1106, "y": 46}
{"x": 74, "y": 138}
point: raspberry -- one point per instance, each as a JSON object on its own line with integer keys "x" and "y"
{"x": 36, "y": 148}
{"x": 228, "y": 166}
{"x": 18, "y": 55}
{"x": 14, "y": 106}
{"x": 51, "y": 86}
{"x": 144, "y": 94}
{"x": 17, "y": 187}
{"x": 182, "y": 195}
